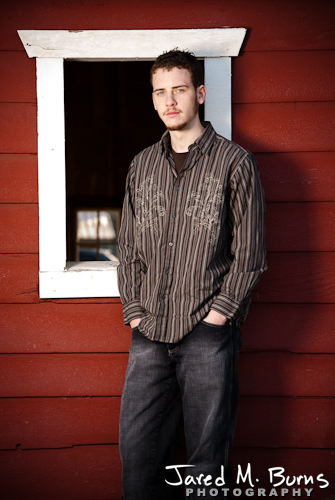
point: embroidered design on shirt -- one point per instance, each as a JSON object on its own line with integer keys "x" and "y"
{"x": 204, "y": 208}
{"x": 149, "y": 204}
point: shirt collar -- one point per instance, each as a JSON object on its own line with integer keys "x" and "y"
{"x": 203, "y": 143}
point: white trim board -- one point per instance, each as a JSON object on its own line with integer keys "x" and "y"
{"x": 59, "y": 279}
{"x": 130, "y": 44}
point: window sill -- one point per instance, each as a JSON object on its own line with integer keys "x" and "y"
{"x": 80, "y": 279}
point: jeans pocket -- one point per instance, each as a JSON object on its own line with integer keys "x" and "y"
{"x": 213, "y": 325}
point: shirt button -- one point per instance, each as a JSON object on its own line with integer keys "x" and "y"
{"x": 171, "y": 244}
{"x": 167, "y": 272}
{"x": 177, "y": 188}
{"x": 163, "y": 296}
{"x": 174, "y": 216}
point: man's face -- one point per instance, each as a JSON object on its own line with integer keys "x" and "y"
{"x": 175, "y": 98}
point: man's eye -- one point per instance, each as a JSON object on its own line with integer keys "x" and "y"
{"x": 160, "y": 93}
{"x": 180, "y": 91}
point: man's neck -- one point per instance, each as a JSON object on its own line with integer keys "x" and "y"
{"x": 182, "y": 139}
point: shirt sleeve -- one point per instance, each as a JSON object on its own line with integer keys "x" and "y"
{"x": 129, "y": 271}
{"x": 246, "y": 223}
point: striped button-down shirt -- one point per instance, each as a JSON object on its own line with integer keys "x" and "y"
{"x": 192, "y": 241}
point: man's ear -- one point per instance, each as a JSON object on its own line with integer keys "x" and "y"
{"x": 201, "y": 94}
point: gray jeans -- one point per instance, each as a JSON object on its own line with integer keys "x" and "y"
{"x": 198, "y": 378}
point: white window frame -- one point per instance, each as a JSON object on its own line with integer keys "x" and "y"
{"x": 58, "y": 278}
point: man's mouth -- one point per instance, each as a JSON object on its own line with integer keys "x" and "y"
{"x": 172, "y": 113}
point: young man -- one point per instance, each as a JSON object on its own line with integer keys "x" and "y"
{"x": 191, "y": 251}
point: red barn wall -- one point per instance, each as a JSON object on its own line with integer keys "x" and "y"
{"x": 63, "y": 361}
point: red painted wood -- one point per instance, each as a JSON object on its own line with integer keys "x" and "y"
{"x": 18, "y": 178}
{"x": 292, "y": 277}
{"x": 290, "y": 227}
{"x": 49, "y": 327}
{"x": 262, "y": 374}
{"x": 304, "y": 25}
{"x": 93, "y": 472}
{"x": 19, "y": 278}
{"x": 298, "y": 176}
{"x": 79, "y": 473}
{"x": 281, "y": 127}
{"x": 308, "y": 227}
{"x": 38, "y": 423}
{"x": 277, "y": 374}
{"x": 295, "y": 462}
{"x": 298, "y": 277}
{"x": 54, "y": 327}
{"x": 35, "y": 375}
{"x": 19, "y": 228}
{"x": 18, "y": 82}
{"x": 308, "y": 328}
{"x": 93, "y": 300}
{"x": 286, "y": 422}
{"x": 284, "y": 76}
{"x": 19, "y": 133}
{"x": 58, "y": 422}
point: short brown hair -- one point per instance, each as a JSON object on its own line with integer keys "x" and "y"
{"x": 183, "y": 59}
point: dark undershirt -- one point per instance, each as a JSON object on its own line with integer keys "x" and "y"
{"x": 179, "y": 159}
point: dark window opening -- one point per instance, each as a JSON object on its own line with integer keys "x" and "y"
{"x": 109, "y": 118}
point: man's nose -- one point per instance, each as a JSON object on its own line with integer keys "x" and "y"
{"x": 170, "y": 99}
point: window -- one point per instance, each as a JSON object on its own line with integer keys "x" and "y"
{"x": 59, "y": 278}
{"x": 96, "y": 235}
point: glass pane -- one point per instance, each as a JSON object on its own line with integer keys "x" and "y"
{"x": 110, "y": 252}
{"x": 107, "y": 226}
{"x": 87, "y": 253}
{"x": 87, "y": 225}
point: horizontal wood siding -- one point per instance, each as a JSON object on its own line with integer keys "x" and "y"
{"x": 55, "y": 327}
{"x": 299, "y": 176}
{"x": 86, "y": 472}
{"x": 62, "y": 362}
{"x": 72, "y": 421}
{"x": 18, "y": 178}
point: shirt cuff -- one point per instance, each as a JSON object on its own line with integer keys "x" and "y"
{"x": 226, "y": 306}
{"x": 131, "y": 311}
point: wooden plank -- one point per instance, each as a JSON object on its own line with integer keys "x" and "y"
{"x": 308, "y": 227}
{"x": 295, "y": 462}
{"x": 58, "y": 422}
{"x": 300, "y": 277}
{"x": 285, "y": 76}
{"x": 49, "y": 327}
{"x": 76, "y": 327}
{"x": 79, "y": 473}
{"x": 281, "y": 127}
{"x": 270, "y": 23}
{"x": 94, "y": 472}
{"x": 38, "y": 423}
{"x": 72, "y": 327}
{"x": 292, "y": 277}
{"x": 298, "y": 176}
{"x": 130, "y": 45}
{"x": 308, "y": 328}
{"x": 19, "y": 228}
{"x": 19, "y": 132}
{"x": 286, "y": 423}
{"x": 36, "y": 375}
{"x": 262, "y": 374}
{"x": 18, "y": 178}
{"x": 19, "y": 278}
{"x": 18, "y": 82}
{"x": 283, "y": 374}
